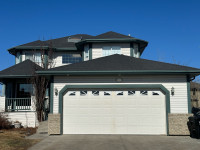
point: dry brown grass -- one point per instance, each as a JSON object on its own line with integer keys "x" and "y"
{"x": 14, "y": 139}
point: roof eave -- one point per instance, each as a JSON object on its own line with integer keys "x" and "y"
{"x": 110, "y": 40}
{"x": 12, "y": 50}
{"x": 127, "y": 72}
{"x": 14, "y": 76}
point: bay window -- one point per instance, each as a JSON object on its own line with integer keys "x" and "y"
{"x": 110, "y": 50}
{"x": 35, "y": 57}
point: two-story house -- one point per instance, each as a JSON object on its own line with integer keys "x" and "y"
{"x": 99, "y": 85}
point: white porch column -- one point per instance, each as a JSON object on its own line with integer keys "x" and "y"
{"x": 2, "y": 103}
{"x": 2, "y": 99}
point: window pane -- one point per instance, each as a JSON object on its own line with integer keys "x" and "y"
{"x": 83, "y": 93}
{"x": 120, "y": 93}
{"x": 106, "y": 51}
{"x": 86, "y": 53}
{"x": 131, "y": 93}
{"x": 143, "y": 92}
{"x": 116, "y": 50}
{"x": 29, "y": 56}
{"x": 71, "y": 58}
{"x": 38, "y": 57}
{"x": 95, "y": 93}
{"x": 107, "y": 93}
{"x": 17, "y": 57}
{"x": 24, "y": 90}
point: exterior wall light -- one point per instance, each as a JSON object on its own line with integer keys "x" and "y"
{"x": 56, "y": 91}
{"x": 172, "y": 91}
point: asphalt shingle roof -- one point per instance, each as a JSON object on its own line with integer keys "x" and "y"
{"x": 64, "y": 43}
{"x": 121, "y": 62}
{"x": 112, "y": 35}
{"x": 59, "y": 42}
{"x": 25, "y": 68}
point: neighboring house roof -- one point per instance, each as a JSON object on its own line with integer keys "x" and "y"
{"x": 65, "y": 43}
{"x": 121, "y": 64}
{"x": 195, "y": 85}
{"x": 23, "y": 69}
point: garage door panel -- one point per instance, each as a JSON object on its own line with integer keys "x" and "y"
{"x": 114, "y": 112}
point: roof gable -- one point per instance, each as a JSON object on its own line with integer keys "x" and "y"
{"x": 111, "y": 35}
{"x": 23, "y": 69}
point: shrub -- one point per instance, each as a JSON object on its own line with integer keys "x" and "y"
{"x": 4, "y": 122}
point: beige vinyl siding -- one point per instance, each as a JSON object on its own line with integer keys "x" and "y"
{"x": 26, "y": 118}
{"x": 97, "y": 49}
{"x": 2, "y": 104}
{"x": 58, "y": 59}
{"x": 178, "y": 103}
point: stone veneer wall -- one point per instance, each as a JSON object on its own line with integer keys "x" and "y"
{"x": 54, "y": 124}
{"x": 178, "y": 124}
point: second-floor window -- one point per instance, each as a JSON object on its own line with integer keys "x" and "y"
{"x": 71, "y": 58}
{"x": 110, "y": 50}
{"x": 35, "y": 57}
{"x": 17, "y": 58}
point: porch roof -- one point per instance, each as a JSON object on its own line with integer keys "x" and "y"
{"x": 24, "y": 69}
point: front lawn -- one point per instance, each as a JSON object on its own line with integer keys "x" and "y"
{"x": 14, "y": 139}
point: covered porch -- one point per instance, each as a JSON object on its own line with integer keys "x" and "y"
{"x": 17, "y": 99}
{"x": 18, "y": 95}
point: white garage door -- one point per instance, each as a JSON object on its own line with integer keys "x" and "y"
{"x": 114, "y": 112}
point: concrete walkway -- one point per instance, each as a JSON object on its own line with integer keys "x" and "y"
{"x": 117, "y": 142}
{"x": 42, "y": 131}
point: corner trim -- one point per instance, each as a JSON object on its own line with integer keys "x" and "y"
{"x": 189, "y": 96}
{"x": 83, "y": 55}
{"x": 90, "y": 51}
{"x": 20, "y": 57}
{"x": 115, "y": 86}
{"x": 131, "y": 49}
{"x": 51, "y": 96}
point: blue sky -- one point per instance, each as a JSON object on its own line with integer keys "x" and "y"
{"x": 172, "y": 27}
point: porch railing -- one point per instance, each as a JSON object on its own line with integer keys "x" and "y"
{"x": 18, "y": 104}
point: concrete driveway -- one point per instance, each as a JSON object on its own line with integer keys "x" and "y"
{"x": 117, "y": 142}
